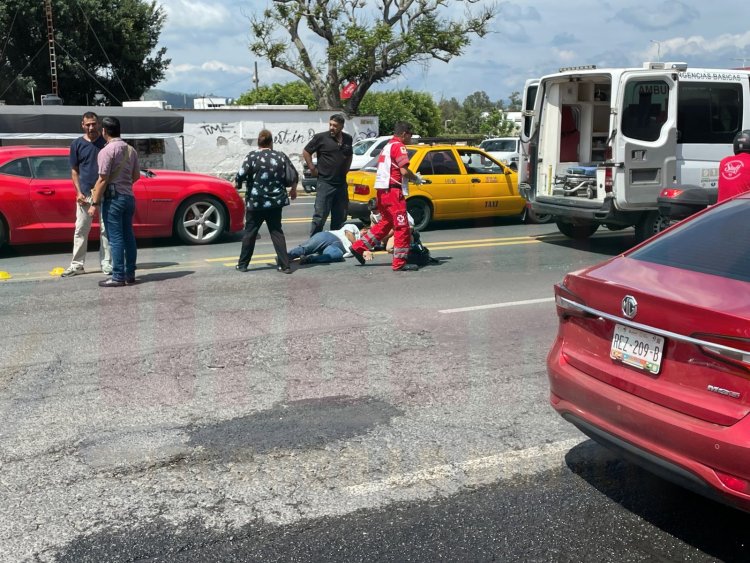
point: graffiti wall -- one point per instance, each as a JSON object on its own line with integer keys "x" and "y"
{"x": 216, "y": 141}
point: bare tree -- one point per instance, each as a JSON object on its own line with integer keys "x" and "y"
{"x": 362, "y": 41}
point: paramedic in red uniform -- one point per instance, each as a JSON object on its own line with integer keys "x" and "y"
{"x": 391, "y": 183}
{"x": 734, "y": 171}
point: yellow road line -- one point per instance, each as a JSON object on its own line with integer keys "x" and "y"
{"x": 225, "y": 258}
{"x": 231, "y": 261}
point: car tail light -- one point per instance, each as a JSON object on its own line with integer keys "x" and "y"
{"x": 670, "y": 192}
{"x": 569, "y": 304}
{"x": 733, "y": 482}
{"x": 361, "y": 189}
{"x": 608, "y": 181}
{"x": 732, "y": 350}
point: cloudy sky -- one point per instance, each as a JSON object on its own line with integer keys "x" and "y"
{"x": 207, "y": 42}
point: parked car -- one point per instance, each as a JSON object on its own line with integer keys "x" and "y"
{"x": 505, "y": 149}
{"x": 652, "y": 355}
{"x": 37, "y": 201}
{"x": 465, "y": 182}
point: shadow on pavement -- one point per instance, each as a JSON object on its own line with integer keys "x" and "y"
{"x": 711, "y": 527}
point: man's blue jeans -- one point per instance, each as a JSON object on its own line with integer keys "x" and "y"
{"x": 118, "y": 215}
{"x": 320, "y": 248}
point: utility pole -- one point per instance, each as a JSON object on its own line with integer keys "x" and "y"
{"x": 658, "y": 50}
{"x": 255, "y": 76}
{"x": 743, "y": 59}
{"x": 51, "y": 44}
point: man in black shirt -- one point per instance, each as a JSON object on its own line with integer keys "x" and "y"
{"x": 333, "y": 149}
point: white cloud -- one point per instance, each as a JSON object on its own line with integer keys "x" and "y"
{"x": 566, "y": 56}
{"x": 194, "y": 14}
{"x": 697, "y": 45}
{"x": 210, "y": 66}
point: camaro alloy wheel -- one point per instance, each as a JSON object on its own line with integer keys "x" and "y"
{"x": 201, "y": 220}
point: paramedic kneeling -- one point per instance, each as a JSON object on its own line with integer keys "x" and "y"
{"x": 734, "y": 171}
{"x": 391, "y": 183}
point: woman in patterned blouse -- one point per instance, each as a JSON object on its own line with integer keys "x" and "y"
{"x": 267, "y": 174}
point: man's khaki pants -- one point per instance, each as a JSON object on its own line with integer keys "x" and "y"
{"x": 81, "y": 236}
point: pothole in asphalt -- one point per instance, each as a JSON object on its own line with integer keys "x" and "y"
{"x": 296, "y": 425}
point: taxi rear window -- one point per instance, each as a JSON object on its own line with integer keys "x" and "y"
{"x": 716, "y": 243}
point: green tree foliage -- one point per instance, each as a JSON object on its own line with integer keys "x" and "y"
{"x": 363, "y": 42}
{"x": 515, "y": 101}
{"x": 291, "y": 93}
{"x": 105, "y": 50}
{"x": 478, "y": 114}
{"x": 418, "y": 108}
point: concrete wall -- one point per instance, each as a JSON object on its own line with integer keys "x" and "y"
{"x": 217, "y": 140}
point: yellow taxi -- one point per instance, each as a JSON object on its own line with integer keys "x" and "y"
{"x": 462, "y": 182}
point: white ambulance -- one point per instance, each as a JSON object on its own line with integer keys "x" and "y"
{"x": 599, "y": 145}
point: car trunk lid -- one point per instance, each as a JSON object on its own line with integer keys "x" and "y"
{"x": 697, "y": 317}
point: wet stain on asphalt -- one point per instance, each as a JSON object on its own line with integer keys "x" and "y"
{"x": 296, "y": 425}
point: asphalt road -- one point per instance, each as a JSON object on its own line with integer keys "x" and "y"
{"x": 343, "y": 413}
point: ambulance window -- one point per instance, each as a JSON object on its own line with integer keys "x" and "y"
{"x": 708, "y": 112}
{"x": 530, "y": 99}
{"x": 645, "y": 109}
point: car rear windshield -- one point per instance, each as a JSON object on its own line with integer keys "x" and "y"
{"x": 716, "y": 243}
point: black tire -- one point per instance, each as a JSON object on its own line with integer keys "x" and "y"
{"x": 421, "y": 211}
{"x": 3, "y": 232}
{"x": 577, "y": 231}
{"x": 200, "y": 220}
{"x": 536, "y": 218}
{"x": 650, "y": 224}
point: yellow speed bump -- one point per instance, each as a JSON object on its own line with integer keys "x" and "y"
{"x": 57, "y": 272}
{"x": 4, "y": 275}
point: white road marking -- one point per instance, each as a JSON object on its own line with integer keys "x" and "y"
{"x": 498, "y": 305}
{"x": 501, "y": 465}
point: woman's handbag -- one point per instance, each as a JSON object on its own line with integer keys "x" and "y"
{"x": 290, "y": 173}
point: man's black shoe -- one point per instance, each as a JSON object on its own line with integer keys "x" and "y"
{"x": 131, "y": 281}
{"x": 408, "y": 268}
{"x": 358, "y": 256}
{"x": 283, "y": 270}
{"x": 240, "y": 268}
{"x": 111, "y": 283}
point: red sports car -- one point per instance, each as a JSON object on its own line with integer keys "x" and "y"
{"x": 37, "y": 201}
{"x": 652, "y": 356}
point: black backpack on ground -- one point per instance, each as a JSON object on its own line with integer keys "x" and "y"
{"x": 420, "y": 255}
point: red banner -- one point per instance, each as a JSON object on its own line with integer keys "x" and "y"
{"x": 348, "y": 90}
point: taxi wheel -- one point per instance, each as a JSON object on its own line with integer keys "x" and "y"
{"x": 421, "y": 211}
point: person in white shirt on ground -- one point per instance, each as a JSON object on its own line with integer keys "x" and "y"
{"x": 326, "y": 246}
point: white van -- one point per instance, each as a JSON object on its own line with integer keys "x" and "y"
{"x": 599, "y": 145}
{"x": 505, "y": 149}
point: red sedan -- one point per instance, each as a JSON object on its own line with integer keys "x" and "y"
{"x": 652, "y": 356}
{"x": 37, "y": 201}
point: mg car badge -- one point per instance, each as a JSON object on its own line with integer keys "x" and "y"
{"x": 629, "y": 306}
